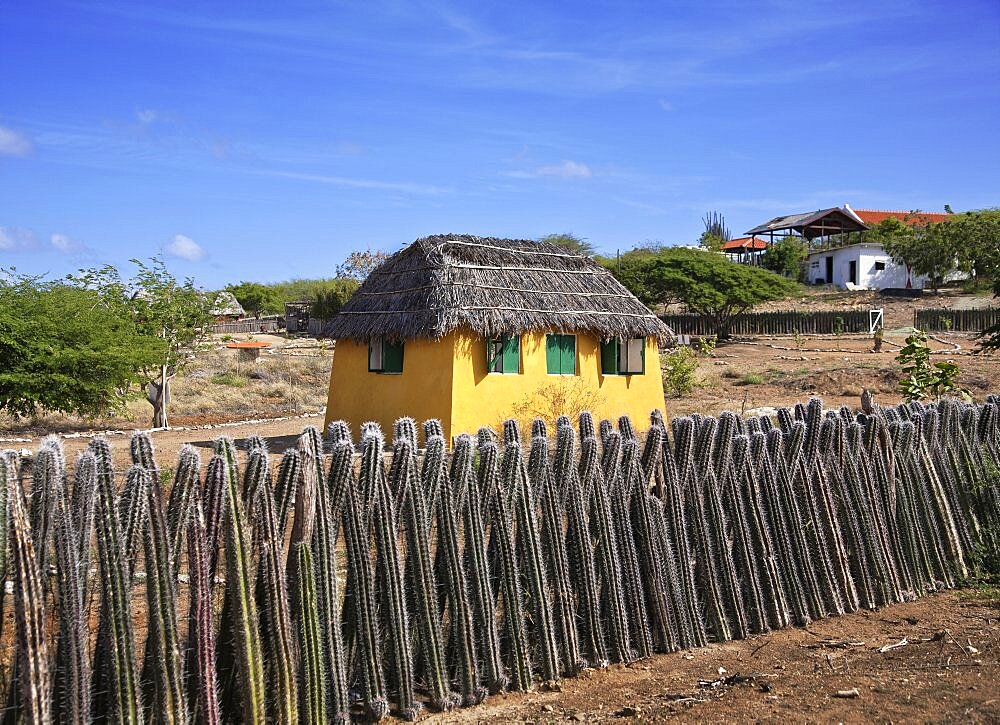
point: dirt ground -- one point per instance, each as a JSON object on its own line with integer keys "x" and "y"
{"x": 947, "y": 672}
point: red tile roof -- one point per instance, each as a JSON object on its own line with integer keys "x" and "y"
{"x": 744, "y": 244}
{"x": 874, "y": 216}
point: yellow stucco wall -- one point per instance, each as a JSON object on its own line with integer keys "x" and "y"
{"x": 422, "y": 391}
{"x": 447, "y": 379}
{"x": 481, "y": 398}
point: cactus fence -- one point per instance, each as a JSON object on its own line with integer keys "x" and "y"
{"x": 944, "y": 320}
{"x": 488, "y": 569}
{"x": 775, "y": 323}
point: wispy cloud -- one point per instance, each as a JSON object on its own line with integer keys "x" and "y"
{"x": 146, "y": 116}
{"x": 185, "y": 247}
{"x": 565, "y": 169}
{"x": 14, "y": 143}
{"x": 405, "y": 187}
{"x": 666, "y": 105}
{"x": 15, "y": 239}
{"x": 65, "y": 244}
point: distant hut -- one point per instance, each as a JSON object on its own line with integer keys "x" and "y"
{"x": 226, "y": 308}
{"x": 460, "y": 328}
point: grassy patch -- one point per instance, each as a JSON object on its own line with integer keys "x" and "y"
{"x": 751, "y": 379}
{"x": 231, "y": 379}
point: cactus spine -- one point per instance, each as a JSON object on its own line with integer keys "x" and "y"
{"x": 202, "y": 680}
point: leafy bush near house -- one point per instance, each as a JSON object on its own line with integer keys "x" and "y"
{"x": 679, "y": 368}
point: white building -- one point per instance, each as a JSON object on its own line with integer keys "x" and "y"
{"x": 859, "y": 266}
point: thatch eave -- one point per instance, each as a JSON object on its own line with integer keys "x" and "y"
{"x": 491, "y": 287}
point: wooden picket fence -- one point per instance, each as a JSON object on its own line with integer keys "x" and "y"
{"x": 943, "y": 319}
{"x": 245, "y": 327}
{"x": 775, "y": 323}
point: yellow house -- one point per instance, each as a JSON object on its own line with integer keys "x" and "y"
{"x": 473, "y": 330}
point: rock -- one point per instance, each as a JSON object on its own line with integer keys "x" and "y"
{"x": 629, "y": 711}
{"x": 847, "y": 694}
{"x": 548, "y": 708}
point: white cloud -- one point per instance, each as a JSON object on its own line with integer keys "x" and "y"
{"x": 67, "y": 245}
{"x": 666, "y": 105}
{"x": 146, "y": 115}
{"x": 185, "y": 248}
{"x": 565, "y": 169}
{"x": 14, "y": 239}
{"x": 13, "y": 143}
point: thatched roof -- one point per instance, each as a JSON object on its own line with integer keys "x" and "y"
{"x": 492, "y": 287}
{"x": 225, "y": 304}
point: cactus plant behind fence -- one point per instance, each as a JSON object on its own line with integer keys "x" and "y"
{"x": 495, "y": 569}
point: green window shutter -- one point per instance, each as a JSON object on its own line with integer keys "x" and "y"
{"x": 553, "y": 350}
{"x": 512, "y": 354}
{"x": 568, "y": 356}
{"x": 609, "y": 357}
{"x": 392, "y": 355}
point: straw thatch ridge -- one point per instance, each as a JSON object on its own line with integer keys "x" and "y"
{"x": 492, "y": 287}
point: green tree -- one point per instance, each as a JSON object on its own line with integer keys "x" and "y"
{"x": 786, "y": 256}
{"x": 571, "y": 242}
{"x": 707, "y": 283}
{"x": 257, "y": 299}
{"x": 161, "y": 307}
{"x": 63, "y": 348}
{"x": 330, "y": 296}
{"x": 929, "y": 249}
{"x": 359, "y": 264}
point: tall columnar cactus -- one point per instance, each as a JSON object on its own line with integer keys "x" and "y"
{"x": 169, "y": 702}
{"x": 313, "y": 701}
{"x": 603, "y": 530}
{"x": 213, "y": 504}
{"x": 72, "y": 659}
{"x": 678, "y": 469}
{"x": 272, "y": 592}
{"x": 364, "y": 612}
{"x": 390, "y": 571}
{"x": 463, "y": 636}
{"x": 119, "y": 685}
{"x": 202, "y": 681}
{"x": 580, "y": 548}
{"x": 329, "y": 494}
{"x": 186, "y": 480}
{"x": 48, "y": 475}
{"x": 554, "y": 542}
{"x": 507, "y": 570}
{"x": 519, "y": 486}
{"x": 477, "y": 567}
{"x": 421, "y": 578}
{"x": 760, "y": 532}
{"x": 284, "y": 486}
{"x": 29, "y": 609}
{"x": 647, "y": 530}
{"x": 618, "y": 491}
{"x": 240, "y": 580}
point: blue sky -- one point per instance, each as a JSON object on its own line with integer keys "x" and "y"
{"x": 263, "y": 140}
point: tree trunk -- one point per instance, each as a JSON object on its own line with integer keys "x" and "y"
{"x": 158, "y": 395}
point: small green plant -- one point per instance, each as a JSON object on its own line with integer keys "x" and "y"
{"x": 945, "y": 323}
{"x": 228, "y": 338}
{"x": 921, "y": 378}
{"x": 751, "y": 379}
{"x": 877, "y": 338}
{"x": 679, "y": 367}
{"x": 232, "y": 379}
{"x": 800, "y": 341}
{"x": 706, "y": 346}
{"x": 838, "y": 328}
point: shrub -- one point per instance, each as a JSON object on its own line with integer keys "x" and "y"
{"x": 751, "y": 379}
{"x": 679, "y": 367}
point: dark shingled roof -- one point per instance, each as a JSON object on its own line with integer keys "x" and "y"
{"x": 492, "y": 287}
